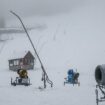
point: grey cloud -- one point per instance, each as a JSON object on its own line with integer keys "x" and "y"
{"x": 37, "y": 7}
{"x": 41, "y": 7}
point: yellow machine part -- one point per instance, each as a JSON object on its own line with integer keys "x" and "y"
{"x": 23, "y": 73}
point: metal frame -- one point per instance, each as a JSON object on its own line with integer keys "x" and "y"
{"x": 71, "y": 82}
{"x": 16, "y": 82}
{"x": 102, "y": 90}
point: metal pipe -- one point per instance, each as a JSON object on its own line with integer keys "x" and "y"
{"x": 46, "y": 78}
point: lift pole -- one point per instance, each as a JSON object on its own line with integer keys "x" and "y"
{"x": 45, "y": 76}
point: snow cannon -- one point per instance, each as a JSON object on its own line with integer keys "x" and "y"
{"x": 100, "y": 74}
{"x": 100, "y": 79}
{"x": 72, "y": 78}
{"x": 23, "y": 78}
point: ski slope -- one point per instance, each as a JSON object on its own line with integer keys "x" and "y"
{"x": 71, "y": 40}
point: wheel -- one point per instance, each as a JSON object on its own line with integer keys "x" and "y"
{"x": 78, "y": 83}
{"x": 26, "y": 84}
{"x": 64, "y": 83}
{"x": 14, "y": 84}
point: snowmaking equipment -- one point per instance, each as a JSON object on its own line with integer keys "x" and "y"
{"x": 45, "y": 77}
{"x": 22, "y": 79}
{"x": 100, "y": 79}
{"x": 72, "y": 78}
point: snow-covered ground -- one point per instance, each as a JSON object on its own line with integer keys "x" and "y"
{"x": 70, "y": 40}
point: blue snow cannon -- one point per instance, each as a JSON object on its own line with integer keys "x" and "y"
{"x": 72, "y": 77}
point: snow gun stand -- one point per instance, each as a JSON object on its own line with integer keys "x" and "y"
{"x": 102, "y": 91}
{"x": 20, "y": 81}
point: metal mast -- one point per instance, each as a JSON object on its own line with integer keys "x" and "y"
{"x": 45, "y": 76}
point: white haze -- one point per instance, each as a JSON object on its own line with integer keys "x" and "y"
{"x": 41, "y": 7}
{"x": 71, "y": 40}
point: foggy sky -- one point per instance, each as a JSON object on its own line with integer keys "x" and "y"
{"x": 40, "y": 7}
{"x": 36, "y": 7}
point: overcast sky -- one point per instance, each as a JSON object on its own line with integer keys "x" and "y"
{"x": 40, "y": 7}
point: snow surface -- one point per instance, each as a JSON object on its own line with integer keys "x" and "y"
{"x": 72, "y": 40}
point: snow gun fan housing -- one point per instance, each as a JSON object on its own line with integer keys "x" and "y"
{"x": 22, "y": 73}
{"x": 100, "y": 74}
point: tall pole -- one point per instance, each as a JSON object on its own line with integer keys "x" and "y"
{"x": 45, "y": 78}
